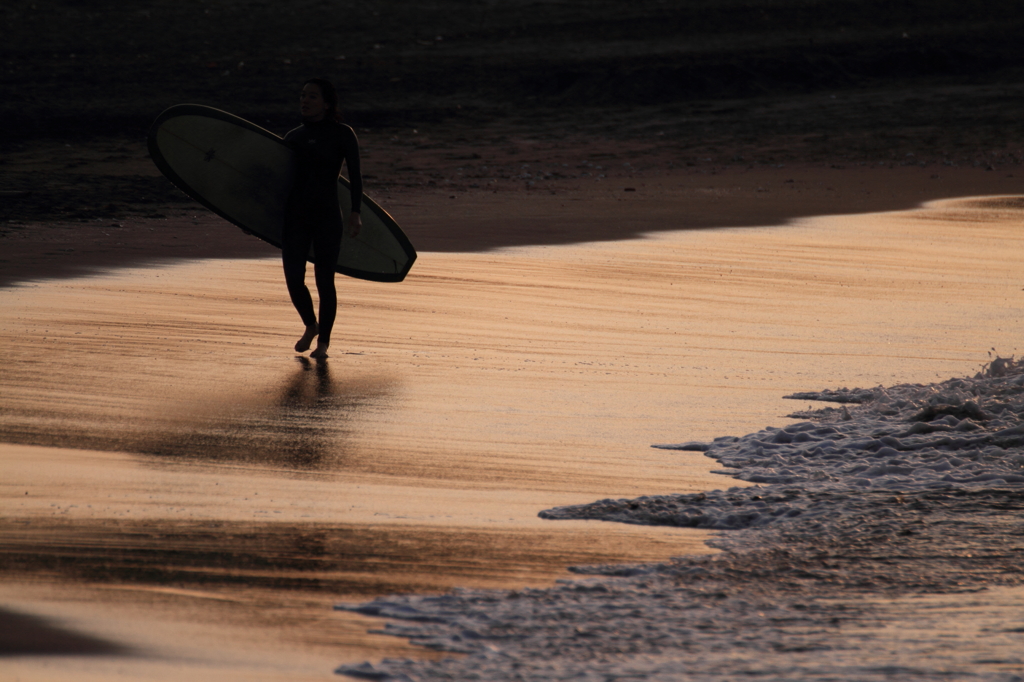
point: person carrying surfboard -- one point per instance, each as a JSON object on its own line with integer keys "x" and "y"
{"x": 312, "y": 217}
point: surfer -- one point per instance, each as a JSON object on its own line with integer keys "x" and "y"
{"x": 322, "y": 143}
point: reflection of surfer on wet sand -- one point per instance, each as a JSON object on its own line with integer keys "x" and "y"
{"x": 313, "y": 216}
{"x": 309, "y": 387}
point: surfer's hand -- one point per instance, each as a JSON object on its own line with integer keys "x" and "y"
{"x": 357, "y": 224}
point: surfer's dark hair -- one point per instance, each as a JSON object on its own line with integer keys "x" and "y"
{"x": 330, "y": 95}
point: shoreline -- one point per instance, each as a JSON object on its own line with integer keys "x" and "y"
{"x": 880, "y": 539}
{"x": 555, "y": 205}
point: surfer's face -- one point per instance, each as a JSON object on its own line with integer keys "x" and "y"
{"x": 311, "y": 103}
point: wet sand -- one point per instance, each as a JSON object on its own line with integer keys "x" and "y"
{"x": 182, "y": 459}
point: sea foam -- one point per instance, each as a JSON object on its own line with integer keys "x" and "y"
{"x": 856, "y": 514}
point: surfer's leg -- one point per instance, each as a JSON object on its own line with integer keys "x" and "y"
{"x": 328, "y": 295}
{"x": 326, "y": 247}
{"x": 293, "y": 256}
{"x": 306, "y": 340}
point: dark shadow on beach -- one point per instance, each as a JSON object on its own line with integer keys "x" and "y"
{"x": 27, "y": 635}
{"x": 452, "y": 220}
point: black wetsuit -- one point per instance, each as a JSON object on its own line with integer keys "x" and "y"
{"x": 313, "y": 216}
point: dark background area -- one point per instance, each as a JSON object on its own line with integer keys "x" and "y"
{"x": 698, "y": 82}
{"x": 92, "y": 67}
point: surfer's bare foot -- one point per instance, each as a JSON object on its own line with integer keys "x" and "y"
{"x": 303, "y": 344}
{"x": 320, "y": 353}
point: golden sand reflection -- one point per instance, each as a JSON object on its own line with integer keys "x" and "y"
{"x": 156, "y": 429}
{"x": 301, "y": 421}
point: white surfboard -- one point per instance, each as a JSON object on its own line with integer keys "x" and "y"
{"x": 244, "y": 173}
